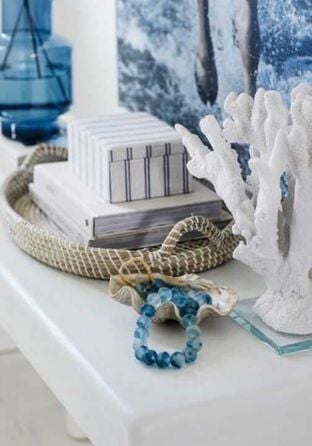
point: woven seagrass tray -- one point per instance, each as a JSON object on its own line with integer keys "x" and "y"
{"x": 36, "y": 235}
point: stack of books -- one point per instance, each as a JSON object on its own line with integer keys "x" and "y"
{"x": 86, "y": 218}
{"x": 125, "y": 184}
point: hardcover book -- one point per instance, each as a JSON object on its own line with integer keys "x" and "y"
{"x": 132, "y": 239}
{"x": 97, "y": 218}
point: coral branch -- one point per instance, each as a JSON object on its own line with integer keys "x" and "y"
{"x": 276, "y": 244}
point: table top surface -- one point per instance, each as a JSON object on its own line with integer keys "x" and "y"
{"x": 79, "y": 340}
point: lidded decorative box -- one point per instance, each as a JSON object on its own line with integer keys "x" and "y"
{"x": 128, "y": 156}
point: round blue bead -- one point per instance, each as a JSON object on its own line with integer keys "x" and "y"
{"x": 139, "y": 352}
{"x": 195, "y": 344}
{"x": 179, "y": 300}
{"x": 177, "y": 360}
{"x": 165, "y": 294}
{"x": 191, "y": 303}
{"x": 188, "y": 319}
{"x": 144, "y": 322}
{"x": 209, "y": 299}
{"x": 138, "y": 342}
{"x": 141, "y": 333}
{"x": 190, "y": 355}
{"x": 193, "y": 332}
{"x": 141, "y": 288}
{"x": 163, "y": 360}
{"x": 159, "y": 283}
{"x": 191, "y": 293}
{"x": 200, "y": 297}
{"x": 176, "y": 291}
{"x": 148, "y": 310}
{"x": 149, "y": 357}
{"x": 191, "y": 307}
{"x": 154, "y": 299}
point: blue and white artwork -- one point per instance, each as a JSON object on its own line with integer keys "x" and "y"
{"x": 179, "y": 59}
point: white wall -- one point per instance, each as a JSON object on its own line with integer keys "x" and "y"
{"x": 91, "y": 27}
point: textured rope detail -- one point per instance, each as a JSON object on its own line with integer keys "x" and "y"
{"x": 44, "y": 153}
{"x": 201, "y": 224}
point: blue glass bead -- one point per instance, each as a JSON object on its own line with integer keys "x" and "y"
{"x": 191, "y": 293}
{"x": 188, "y": 319}
{"x": 138, "y": 342}
{"x": 141, "y": 333}
{"x": 141, "y": 288}
{"x": 177, "y": 360}
{"x": 179, "y": 300}
{"x": 165, "y": 294}
{"x": 200, "y": 297}
{"x": 154, "y": 299}
{"x": 190, "y": 355}
{"x": 148, "y": 310}
{"x": 159, "y": 283}
{"x": 191, "y": 307}
{"x": 139, "y": 352}
{"x": 163, "y": 360}
{"x": 149, "y": 357}
{"x": 195, "y": 344}
{"x": 192, "y": 332}
{"x": 177, "y": 291}
{"x": 150, "y": 289}
{"x": 209, "y": 299}
{"x": 191, "y": 303}
{"x": 144, "y": 322}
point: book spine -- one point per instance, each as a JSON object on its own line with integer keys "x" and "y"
{"x": 60, "y": 219}
{"x": 64, "y": 201}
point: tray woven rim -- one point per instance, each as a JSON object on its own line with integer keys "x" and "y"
{"x": 173, "y": 257}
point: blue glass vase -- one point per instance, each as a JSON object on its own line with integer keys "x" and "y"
{"x": 35, "y": 71}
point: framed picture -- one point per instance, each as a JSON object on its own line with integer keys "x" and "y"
{"x": 179, "y": 59}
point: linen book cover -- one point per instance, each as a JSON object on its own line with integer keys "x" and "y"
{"x": 96, "y": 217}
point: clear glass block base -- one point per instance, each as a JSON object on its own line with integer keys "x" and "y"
{"x": 280, "y": 343}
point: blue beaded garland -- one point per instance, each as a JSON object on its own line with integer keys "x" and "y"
{"x": 190, "y": 355}
{"x": 177, "y": 360}
{"x": 179, "y": 301}
{"x": 159, "y": 283}
{"x": 137, "y": 343}
{"x": 148, "y": 310}
{"x": 149, "y": 357}
{"x": 163, "y": 360}
{"x": 141, "y": 288}
{"x": 144, "y": 322}
{"x": 141, "y": 333}
{"x": 139, "y": 352}
{"x": 153, "y": 299}
{"x": 195, "y": 344}
{"x": 188, "y": 302}
{"x": 165, "y": 294}
{"x": 188, "y": 319}
{"x": 192, "y": 332}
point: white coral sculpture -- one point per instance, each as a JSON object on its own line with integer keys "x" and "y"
{"x": 276, "y": 232}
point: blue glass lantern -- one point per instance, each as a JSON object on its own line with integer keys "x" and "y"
{"x": 35, "y": 71}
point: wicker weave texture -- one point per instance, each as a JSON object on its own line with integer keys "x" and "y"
{"x": 31, "y": 232}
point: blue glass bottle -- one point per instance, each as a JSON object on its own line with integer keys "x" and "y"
{"x": 35, "y": 71}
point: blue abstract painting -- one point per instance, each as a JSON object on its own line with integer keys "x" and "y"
{"x": 179, "y": 59}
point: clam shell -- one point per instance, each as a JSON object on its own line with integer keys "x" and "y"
{"x": 223, "y": 298}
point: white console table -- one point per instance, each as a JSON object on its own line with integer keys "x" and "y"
{"x": 79, "y": 341}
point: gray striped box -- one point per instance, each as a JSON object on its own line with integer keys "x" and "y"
{"x": 129, "y": 156}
